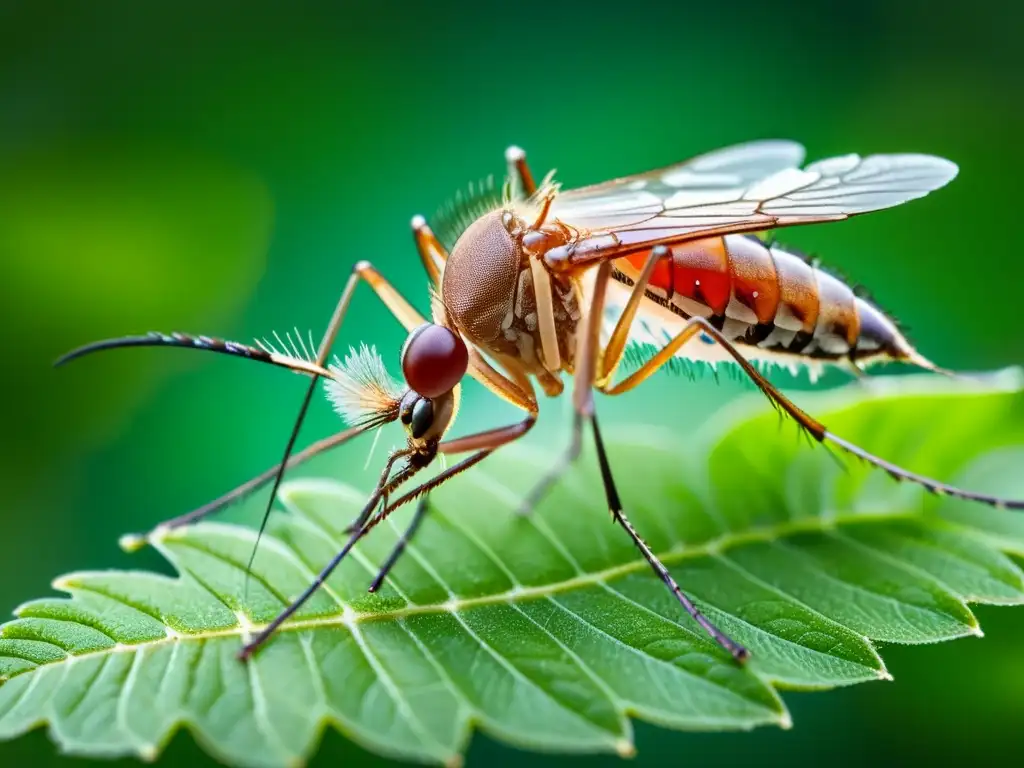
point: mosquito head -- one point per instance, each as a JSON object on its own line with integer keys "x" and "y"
{"x": 434, "y": 360}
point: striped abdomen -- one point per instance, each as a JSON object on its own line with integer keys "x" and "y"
{"x": 768, "y": 298}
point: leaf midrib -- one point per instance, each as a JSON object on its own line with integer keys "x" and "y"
{"x": 351, "y": 617}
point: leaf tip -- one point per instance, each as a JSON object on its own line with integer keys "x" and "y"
{"x": 785, "y": 720}
{"x": 455, "y": 761}
{"x": 625, "y": 748}
{"x": 148, "y": 753}
{"x": 63, "y": 583}
{"x": 132, "y": 542}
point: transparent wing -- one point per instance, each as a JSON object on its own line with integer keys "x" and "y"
{"x": 729, "y": 167}
{"x": 827, "y": 190}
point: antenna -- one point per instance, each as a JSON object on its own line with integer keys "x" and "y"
{"x": 206, "y": 343}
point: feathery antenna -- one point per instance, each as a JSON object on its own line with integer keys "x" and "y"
{"x": 205, "y": 343}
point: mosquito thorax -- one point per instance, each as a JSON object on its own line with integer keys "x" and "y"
{"x": 479, "y": 282}
{"x": 490, "y": 294}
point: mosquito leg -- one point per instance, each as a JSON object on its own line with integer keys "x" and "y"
{"x": 738, "y": 652}
{"x": 523, "y": 185}
{"x": 403, "y": 542}
{"x": 545, "y": 315}
{"x": 383, "y": 487}
{"x": 487, "y": 442}
{"x": 422, "y": 492}
{"x": 490, "y": 439}
{"x": 247, "y": 651}
{"x": 433, "y": 483}
{"x": 586, "y": 363}
{"x": 553, "y": 475}
{"x": 394, "y": 301}
{"x": 432, "y": 253}
{"x": 246, "y": 488}
{"x": 616, "y": 346}
{"x": 484, "y": 443}
{"x": 249, "y": 648}
{"x": 812, "y": 426}
{"x": 588, "y": 346}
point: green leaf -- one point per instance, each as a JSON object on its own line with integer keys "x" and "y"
{"x": 547, "y": 632}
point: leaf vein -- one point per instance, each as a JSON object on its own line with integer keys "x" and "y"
{"x": 730, "y": 563}
{"x": 907, "y": 568}
{"x": 415, "y": 724}
{"x": 613, "y": 699}
{"x": 484, "y": 548}
{"x": 509, "y": 667}
{"x": 121, "y": 714}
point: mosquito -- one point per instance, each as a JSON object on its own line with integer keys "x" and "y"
{"x": 531, "y": 282}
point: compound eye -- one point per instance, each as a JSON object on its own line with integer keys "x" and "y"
{"x": 434, "y": 360}
{"x": 422, "y": 417}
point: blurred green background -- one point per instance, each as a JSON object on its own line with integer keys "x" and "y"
{"x": 218, "y": 167}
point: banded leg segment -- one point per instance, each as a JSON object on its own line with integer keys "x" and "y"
{"x": 738, "y": 652}
{"x": 401, "y": 544}
{"x": 698, "y": 325}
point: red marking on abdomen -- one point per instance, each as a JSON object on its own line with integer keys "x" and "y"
{"x": 755, "y": 282}
{"x": 661, "y": 277}
{"x": 700, "y": 271}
